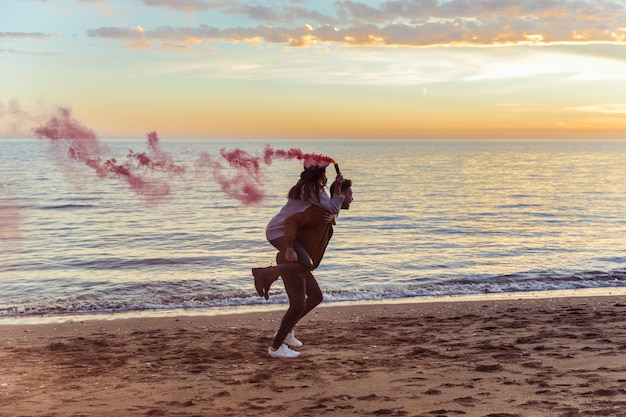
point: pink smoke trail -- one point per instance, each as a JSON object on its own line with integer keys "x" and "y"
{"x": 62, "y": 127}
{"x": 84, "y": 147}
{"x": 309, "y": 159}
{"x": 156, "y": 158}
{"x": 247, "y": 182}
{"x": 239, "y": 173}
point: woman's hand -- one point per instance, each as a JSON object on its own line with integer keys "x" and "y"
{"x": 338, "y": 181}
{"x": 291, "y": 255}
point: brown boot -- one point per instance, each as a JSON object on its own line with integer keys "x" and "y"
{"x": 263, "y": 280}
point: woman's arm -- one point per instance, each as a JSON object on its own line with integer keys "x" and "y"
{"x": 332, "y": 205}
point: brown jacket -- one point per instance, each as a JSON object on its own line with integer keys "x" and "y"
{"x": 310, "y": 230}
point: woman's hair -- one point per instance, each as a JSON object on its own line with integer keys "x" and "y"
{"x": 312, "y": 181}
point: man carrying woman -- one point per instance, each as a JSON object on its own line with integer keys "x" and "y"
{"x": 301, "y": 231}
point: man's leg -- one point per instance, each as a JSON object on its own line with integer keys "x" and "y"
{"x": 314, "y": 294}
{"x": 295, "y": 286}
{"x": 313, "y": 298}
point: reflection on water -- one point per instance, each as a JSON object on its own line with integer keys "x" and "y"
{"x": 428, "y": 218}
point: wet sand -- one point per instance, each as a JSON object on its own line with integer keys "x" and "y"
{"x": 561, "y": 357}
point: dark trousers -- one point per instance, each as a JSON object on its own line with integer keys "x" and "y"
{"x": 301, "y": 286}
{"x": 304, "y": 295}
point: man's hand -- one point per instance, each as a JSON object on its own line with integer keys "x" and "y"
{"x": 330, "y": 218}
{"x": 291, "y": 255}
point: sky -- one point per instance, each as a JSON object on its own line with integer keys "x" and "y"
{"x": 304, "y": 69}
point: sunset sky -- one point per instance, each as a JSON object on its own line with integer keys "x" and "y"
{"x": 304, "y": 69}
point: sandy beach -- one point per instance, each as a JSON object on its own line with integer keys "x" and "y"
{"x": 561, "y": 357}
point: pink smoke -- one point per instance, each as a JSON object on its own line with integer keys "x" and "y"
{"x": 62, "y": 127}
{"x": 156, "y": 158}
{"x": 246, "y": 182}
{"x": 309, "y": 159}
{"x": 10, "y": 221}
{"x": 239, "y": 173}
{"x": 84, "y": 147}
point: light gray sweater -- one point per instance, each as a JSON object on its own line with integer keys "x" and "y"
{"x": 276, "y": 226}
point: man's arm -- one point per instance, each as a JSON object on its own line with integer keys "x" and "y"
{"x": 314, "y": 215}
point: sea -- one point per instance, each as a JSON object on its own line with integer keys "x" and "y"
{"x": 429, "y": 219}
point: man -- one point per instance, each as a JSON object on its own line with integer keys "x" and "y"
{"x": 313, "y": 229}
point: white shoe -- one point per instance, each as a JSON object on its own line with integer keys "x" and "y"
{"x": 283, "y": 352}
{"x": 292, "y": 341}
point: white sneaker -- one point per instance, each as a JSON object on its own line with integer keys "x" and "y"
{"x": 283, "y": 352}
{"x": 292, "y": 341}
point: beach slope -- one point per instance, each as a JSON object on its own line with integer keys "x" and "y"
{"x": 561, "y": 357}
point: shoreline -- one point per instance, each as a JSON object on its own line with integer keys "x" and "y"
{"x": 23, "y": 319}
{"x": 505, "y": 357}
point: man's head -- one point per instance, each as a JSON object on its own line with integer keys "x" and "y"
{"x": 346, "y": 190}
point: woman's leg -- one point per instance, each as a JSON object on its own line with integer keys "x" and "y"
{"x": 295, "y": 286}
{"x": 264, "y": 277}
{"x": 303, "y": 264}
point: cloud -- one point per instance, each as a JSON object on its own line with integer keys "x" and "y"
{"x": 616, "y": 108}
{"x": 392, "y": 23}
{"x": 25, "y": 35}
{"x": 189, "y": 5}
{"x": 269, "y": 13}
{"x": 431, "y": 34}
{"x": 424, "y": 10}
{"x": 20, "y": 52}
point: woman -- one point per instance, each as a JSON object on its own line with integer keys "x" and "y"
{"x": 307, "y": 191}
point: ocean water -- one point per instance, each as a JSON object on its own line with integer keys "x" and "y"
{"x": 429, "y": 218}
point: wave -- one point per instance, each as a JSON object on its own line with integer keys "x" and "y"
{"x": 67, "y": 207}
{"x": 199, "y": 294}
{"x": 115, "y": 263}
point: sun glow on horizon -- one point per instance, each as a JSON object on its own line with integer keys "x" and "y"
{"x": 320, "y": 70}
